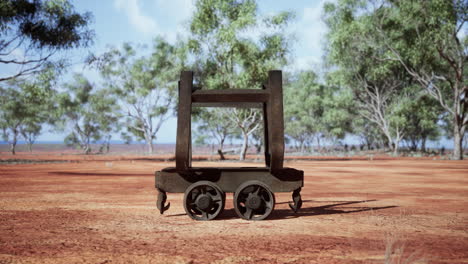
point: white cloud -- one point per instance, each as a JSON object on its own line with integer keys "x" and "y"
{"x": 179, "y": 12}
{"x": 140, "y": 21}
{"x": 181, "y": 9}
{"x": 310, "y": 31}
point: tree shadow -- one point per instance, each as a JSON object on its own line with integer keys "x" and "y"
{"x": 333, "y": 208}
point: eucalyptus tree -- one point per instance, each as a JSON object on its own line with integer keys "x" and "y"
{"x": 377, "y": 85}
{"x": 87, "y": 113}
{"x": 216, "y": 124}
{"x": 429, "y": 39}
{"x": 146, "y": 85}
{"x": 367, "y": 132}
{"x": 422, "y": 115}
{"x": 248, "y": 121}
{"x": 25, "y": 105}
{"x": 33, "y": 32}
{"x": 235, "y": 48}
{"x": 12, "y": 115}
{"x": 314, "y": 110}
{"x": 303, "y": 121}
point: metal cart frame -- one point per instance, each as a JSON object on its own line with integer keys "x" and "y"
{"x": 253, "y": 187}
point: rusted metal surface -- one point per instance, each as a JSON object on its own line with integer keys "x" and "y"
{"x": 184, "y": 124}
{"x": 297, "y": 201}
{"x": 203, "y": 187}
{"x": 230, "y": 96}
{"x": 275, "y": 120}
{"x": 229, "y": 179}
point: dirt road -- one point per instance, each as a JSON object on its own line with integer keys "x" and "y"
{"x": 354, "y": 211}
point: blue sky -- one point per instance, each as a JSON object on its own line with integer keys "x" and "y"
{"x": 139, "y": 21}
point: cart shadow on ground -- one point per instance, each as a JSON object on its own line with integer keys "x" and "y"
{"x": 332, "y": 207}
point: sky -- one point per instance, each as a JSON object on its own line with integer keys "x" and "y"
{"x": 139, "y": 21}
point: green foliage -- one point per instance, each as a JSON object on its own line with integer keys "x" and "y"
{"x": 227, "y": 52}
{"x": 25, "y": 106}
{"x": 89, "y": 114}
{"x": 40, "y": 29}
{"x": 422, "y": 116}
{"x": 422, "y": 38}
{"x": 145, "y": 85}
{"x": 215, "y": 124}
{"x": 376, "y": 84}
{"x": 314, "y": 110}
{"x": 235, "y": 48}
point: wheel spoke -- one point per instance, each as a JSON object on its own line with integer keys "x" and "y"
{"x": 257, "y": 191}
{"x": 205, "y": 215}
{"x": 196, "y": 210}
{"x": 216, "y": 197}
{"x": 248, "y": 214}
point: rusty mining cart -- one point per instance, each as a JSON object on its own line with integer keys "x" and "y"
{"x": 205, "y": 188}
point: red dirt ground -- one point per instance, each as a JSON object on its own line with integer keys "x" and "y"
{"x": 101, "y": 209}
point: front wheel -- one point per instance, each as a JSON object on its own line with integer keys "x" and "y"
{"x": 204, "y": 200}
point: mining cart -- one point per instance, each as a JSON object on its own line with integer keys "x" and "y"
{"x": 205, "y": 188}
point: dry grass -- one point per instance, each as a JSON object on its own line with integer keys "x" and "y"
{"x": 396, "y": 253}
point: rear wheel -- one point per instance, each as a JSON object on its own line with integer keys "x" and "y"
{"x": 254, "y": 200}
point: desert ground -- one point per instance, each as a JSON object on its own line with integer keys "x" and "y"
{"x": 57, "y": 208}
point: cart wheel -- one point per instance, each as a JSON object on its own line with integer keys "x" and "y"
{"x": 254, "y": 200}
{"x": 203, "y": 200}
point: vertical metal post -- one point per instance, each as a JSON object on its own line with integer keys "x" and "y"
{"x": 275, "y": 120}
{"x": 266, "y": 130}
{"x": 184, "y": 111}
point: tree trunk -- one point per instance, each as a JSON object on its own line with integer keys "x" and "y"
{"x": 30, "y": 146}
{"x": 149, "y": 142}
{"x": 259, "y": 147}
{"x": 245, "y": 146}
{"x": 457, "y": 143}
{"x": 149, "y": 145}
{"x": 220, "y": 150}
{"x": 423, "y": 144}
{"x": 87, "y": 149}
{"x": 395, "y": 147}
{"x": 13, "y": 148}
{"x": 13, "y": 143}
{"x": 414, "y": 144}
{"x": 302, "y": 147}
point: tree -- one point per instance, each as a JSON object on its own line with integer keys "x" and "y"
{"x": 217, "y": 124}
{"x": 235, "y": 48}
{"x": 145, "y": 86}
{"x": 12, "y": 115}
{"x": 377, "y": 85}
{"x": 88, "y": 113}
{"x": 368, "y": 133}
{"x": 247, "y": 120}
{"x": 425, "y": 38}
{"x": 32, "y": 32}
{"x": 303, "y": 120}
{"x": 422, "y": 116}
{"x": 314, "y": 110}
{"x": 25, "y": 106}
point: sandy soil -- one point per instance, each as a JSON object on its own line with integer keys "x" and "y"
{"x": 102, "y": 210}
